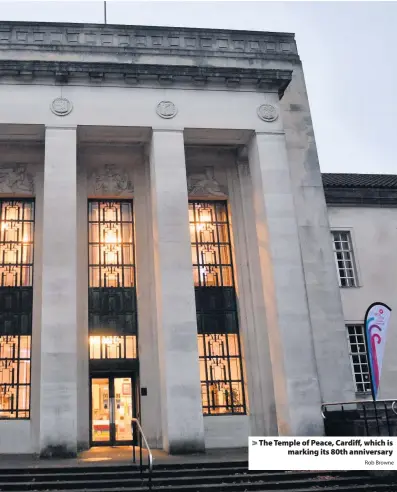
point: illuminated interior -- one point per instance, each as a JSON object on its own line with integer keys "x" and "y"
{"x": 218, "y": 336}
{"x": 112, "y": 347}
{"x": 14, "y": 377}
{"x": 220, "y": 369}
{"x": 16, "y": 280}
{"x": 112, "y": 316}
{"x": 16, "y": 243}
{"x": 111, "y": 252}
{"x": 108, "y": 410}
{"x": 210, "y": 238}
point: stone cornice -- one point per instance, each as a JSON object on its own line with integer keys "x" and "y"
{"x": 69, "y": 72}
{"x": 120, "y": 39}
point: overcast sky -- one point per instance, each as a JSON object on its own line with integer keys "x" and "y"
{"x": 348, "y": 51}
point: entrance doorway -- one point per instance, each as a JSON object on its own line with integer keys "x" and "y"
{"x": 112, "y": 407}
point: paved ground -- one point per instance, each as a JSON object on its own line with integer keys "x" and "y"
{"x": 121, "y": 455}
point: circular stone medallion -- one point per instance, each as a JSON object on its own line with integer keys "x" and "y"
{"x": 61, "y": 106}
{"x": 166, "y": 109}
{"x": 267, "y": 112}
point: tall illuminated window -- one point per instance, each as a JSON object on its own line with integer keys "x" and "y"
{"x": 16, "y": 296}
{"x": 112, "y": 300}
{"x": 221, "y": 372}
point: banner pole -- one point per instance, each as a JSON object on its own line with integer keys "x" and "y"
{"x": 104, "y": 11}
{"x": 368, "y": 349}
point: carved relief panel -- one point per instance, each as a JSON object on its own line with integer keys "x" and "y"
{"x": 113, "y": 180}
{"x": 204, "y": 182}
{"x": 17, "y": 179}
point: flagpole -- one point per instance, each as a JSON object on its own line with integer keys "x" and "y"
{"x": 104, "y": 11}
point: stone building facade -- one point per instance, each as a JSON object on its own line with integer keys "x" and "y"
{"x": 362, "y": 211}
{"x": 165, "y": 241}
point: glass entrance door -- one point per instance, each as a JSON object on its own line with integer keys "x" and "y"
{"x": 112, "y": 407}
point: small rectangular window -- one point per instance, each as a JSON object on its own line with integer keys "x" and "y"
{"x": 344, "y": 259}
{"x": 358, "y": 358}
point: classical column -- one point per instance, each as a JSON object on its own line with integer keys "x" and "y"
{"x": 295, "y": 378}
{"x": 58, "y": 396}
{"x": 181, "y": 408}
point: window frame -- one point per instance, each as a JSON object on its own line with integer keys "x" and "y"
{"x": 121, "y": 244}
{"x": 16, "y": 294}
{"x": 228, "y": 291}
{"x": 18, "y": 384}
{"x": 353, "y": 256}
{"x": 122, "y": 324}
{"x": 355, "y": 325}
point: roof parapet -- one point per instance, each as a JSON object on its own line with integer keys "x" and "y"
{"x": 123, "y": 39}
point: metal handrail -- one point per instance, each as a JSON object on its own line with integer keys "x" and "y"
{"x": 150, "y": 455}
{"x": 355, "y": 402}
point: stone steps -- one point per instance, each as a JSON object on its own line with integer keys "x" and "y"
{"x": 199, "y": 477}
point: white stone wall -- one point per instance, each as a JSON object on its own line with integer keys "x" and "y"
{"x": 226, "y": 431}
{"x": 59, "y": 378}
{"x": 16, "y": 437}
{"x": 135, "y": 107}
{"x": 322, "y": 291}
{"x": 276, "y": 183}
{"x": 148, "y": 345}
{"x": 374, "y": 235}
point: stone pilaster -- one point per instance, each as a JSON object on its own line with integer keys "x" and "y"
{"x": 295, "y": 378}
{"x": 58, "y": 397}
{"x": 149, "y": 373}
{"x": 181, "y": 408}
{"x": 259, "y": 377}
{"x": 323, "y": 293}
